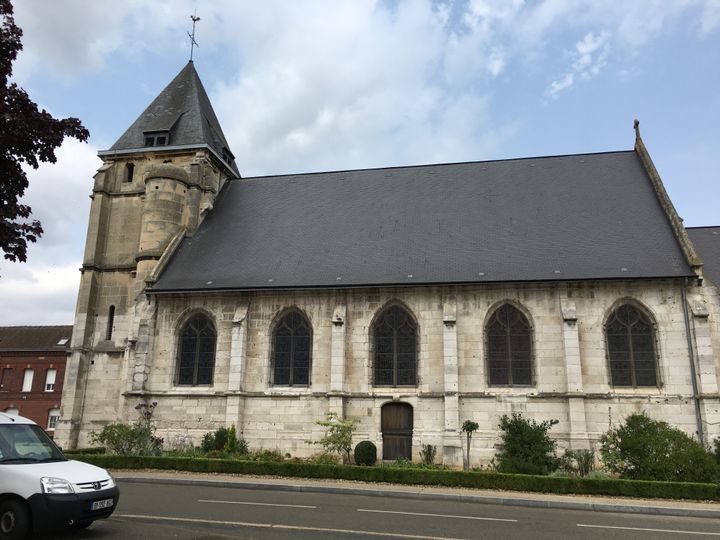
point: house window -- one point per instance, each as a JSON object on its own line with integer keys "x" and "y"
{"x": 395, "y": 338}
{"x": 196, "y": 351}
{"x": 631, "y": 347}
{"x": 292, "y": 344}
{"x": 508, "y": 339}
{"x": 27, "y": 380}
{"x": 50, "y": 375}
{"x": 5, "y": 378}
{"x": 129, "y": 172}
{"x": 53, "y": 418}
{"x": 110, "y": 322}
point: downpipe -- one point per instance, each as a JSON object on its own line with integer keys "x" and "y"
{"x": 691, "y": 356}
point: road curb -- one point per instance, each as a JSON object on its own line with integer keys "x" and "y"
{"x": 481, "y": 499}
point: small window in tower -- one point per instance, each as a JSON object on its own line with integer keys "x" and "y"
{"x": 149, "y": 141}
{"x": 110, "y": 322}
{"x": 129, "y": 171}
{"x": 161, "y": 140}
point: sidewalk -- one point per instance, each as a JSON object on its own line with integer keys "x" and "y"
{"x": 509, "y": 498}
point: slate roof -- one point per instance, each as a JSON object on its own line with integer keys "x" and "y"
{"x": 35, "y": 338}
{"x": 578, "y": 217}
{"x": 182, "y": 108}
{"x": 707, "y": 242}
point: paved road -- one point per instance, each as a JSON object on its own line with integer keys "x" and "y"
{"x": 159, "y": 511}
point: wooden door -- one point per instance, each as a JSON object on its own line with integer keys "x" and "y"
{"x": 397, "y": 427}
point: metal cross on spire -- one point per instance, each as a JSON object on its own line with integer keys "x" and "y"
{"x": 193, "y": 43}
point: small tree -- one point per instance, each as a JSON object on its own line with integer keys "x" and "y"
{"x": 131, "y": 439}
{"x": 526, "y": 447}
{"x": 468, "y": 427}
{"x": 338, "y": 437}
{"x": 647, "y": 449}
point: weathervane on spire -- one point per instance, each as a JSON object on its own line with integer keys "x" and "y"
{"x": 193, "y": 43}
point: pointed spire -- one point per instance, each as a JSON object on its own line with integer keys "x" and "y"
{"x": 181, "y": 116}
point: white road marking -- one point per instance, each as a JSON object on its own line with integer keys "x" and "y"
{"x": 649, "y": 530}
{"x": 285, "y": 527}
{"x": 436, "y": 515}
{"x": 256, "y": 503}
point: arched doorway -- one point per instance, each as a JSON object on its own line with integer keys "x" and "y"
{"x": 397, "y": 428}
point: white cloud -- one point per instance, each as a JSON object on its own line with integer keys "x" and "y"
{"x": 588, "y": 59}
{"x": 46, "y": 285}
{"x": 710, "y": 17}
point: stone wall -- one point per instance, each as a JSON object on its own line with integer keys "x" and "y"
{"x": 571, "y": 378}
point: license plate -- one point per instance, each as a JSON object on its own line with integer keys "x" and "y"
{"x": 99, "y": 505}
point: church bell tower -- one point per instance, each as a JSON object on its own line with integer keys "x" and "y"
{"x": 154, "y": 187}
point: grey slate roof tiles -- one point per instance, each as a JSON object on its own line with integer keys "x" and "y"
{"x": 184, "y": 110}
{"x": 577, "y": 217}
{"x": 707, "y": 242}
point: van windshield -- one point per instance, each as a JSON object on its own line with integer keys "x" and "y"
{"x": 26, "y": 443}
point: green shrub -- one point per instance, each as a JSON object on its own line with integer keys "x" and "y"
{"x": 338, "y": 435}
{"x": 716, "y": 450}
{"x": 427, "y": 454}
{"x": 323, "y": 458}
{"x": 526, "y": 447}
{"x": 417, "y": 475}
{"x": 647, "y": 449}
{"x": 215, "y": 441}
{"x": 129, "y": 439}
{"x": 580, "y": 462}
{"x": 265, "y": 455}
{"x": 365, "y": 453}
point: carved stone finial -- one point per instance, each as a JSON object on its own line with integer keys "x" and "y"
{"x": 636, "y": 125}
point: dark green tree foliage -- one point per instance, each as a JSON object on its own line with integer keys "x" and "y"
{"x": 526, "y": 447}
{"x": 647, "y": 449}
{"x": 27, "y": 136}
{"x": 365, "y": 453}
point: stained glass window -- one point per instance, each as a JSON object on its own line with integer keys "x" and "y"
{"x": 292, "y": 343}
{"x": 196, "y": 352}
{"x": 395, "y": 336}
{"x": 631, "y": 348}
{"x": 509, "y": 347}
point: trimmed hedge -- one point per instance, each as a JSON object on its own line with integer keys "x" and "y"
{"x": 425, "y": 477}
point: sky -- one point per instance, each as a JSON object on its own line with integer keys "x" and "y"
{"x": 317, "y": 85}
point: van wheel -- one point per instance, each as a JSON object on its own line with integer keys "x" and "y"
{"x": 14, "y": 520}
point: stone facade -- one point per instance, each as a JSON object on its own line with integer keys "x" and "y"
{"x": 125, "y": 344}
{"x": 571, "y": 369}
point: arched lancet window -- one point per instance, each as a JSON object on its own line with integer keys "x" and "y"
{"x": 631, "y": 347}
{"x": 395, "y": 337}
{"x": 196, "y": 351}
{"x": 509, "y": 347}
{"x": 292, "y": 343}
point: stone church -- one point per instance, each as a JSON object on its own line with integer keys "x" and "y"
{"x": 408, "y": 299}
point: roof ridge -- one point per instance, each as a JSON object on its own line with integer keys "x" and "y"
{"x": 443, "y": 164}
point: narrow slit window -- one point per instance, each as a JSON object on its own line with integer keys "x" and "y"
{"x": 129, "y": 172}
{"x": 110, "y": 323}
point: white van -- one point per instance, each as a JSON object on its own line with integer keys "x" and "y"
{"x": 41, "y": 490}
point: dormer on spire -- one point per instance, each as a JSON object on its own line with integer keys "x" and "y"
{"x": 180, "y": 118}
